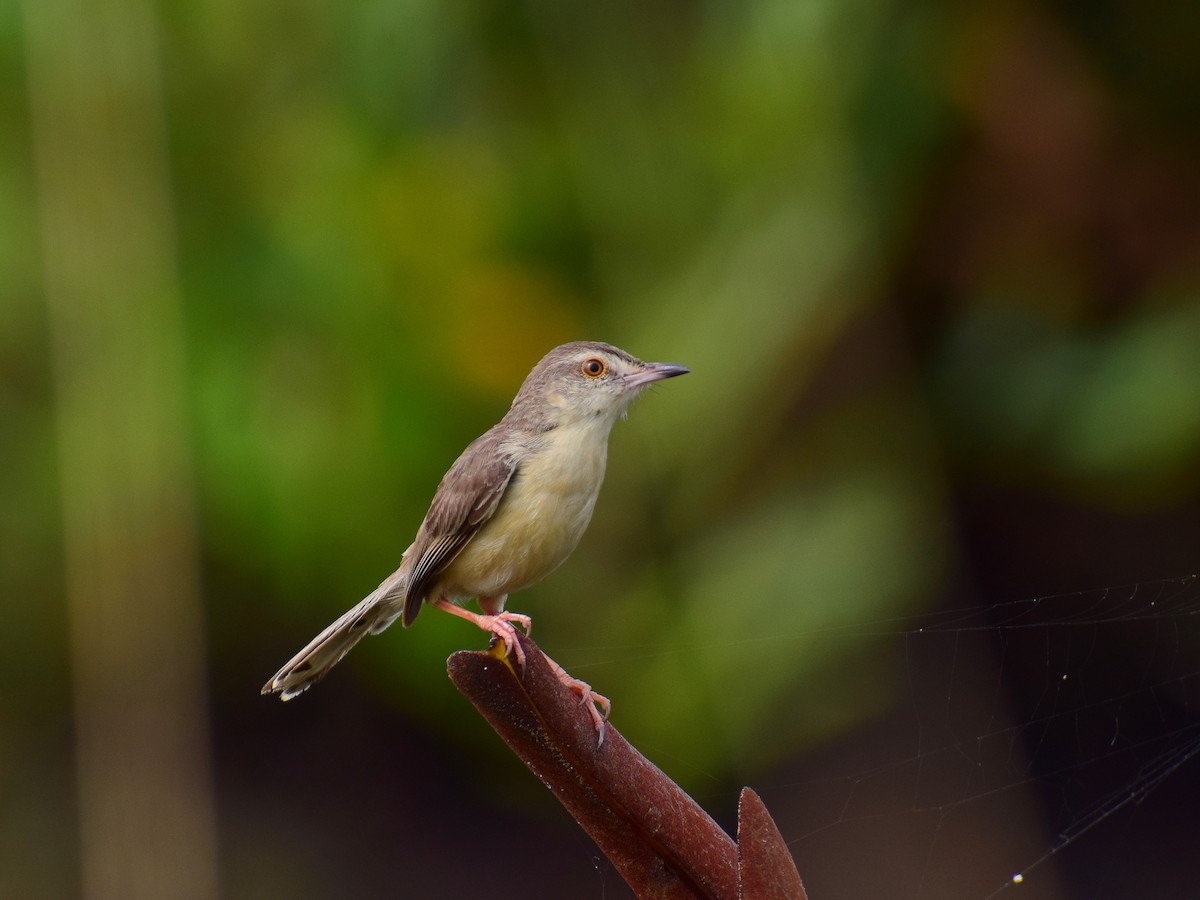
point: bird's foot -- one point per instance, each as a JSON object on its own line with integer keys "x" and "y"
{"x": 499, "y": 625}
{"x": 594, "y": 702}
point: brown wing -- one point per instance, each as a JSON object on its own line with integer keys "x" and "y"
{"x": 466, "y": 498}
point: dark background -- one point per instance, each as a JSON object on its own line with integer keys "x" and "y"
{"x": 267, "y": 268}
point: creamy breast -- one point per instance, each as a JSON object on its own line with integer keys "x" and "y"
{"x": 514, "y": 549}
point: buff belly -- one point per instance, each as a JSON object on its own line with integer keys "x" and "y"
{"x": 540, "y": 520}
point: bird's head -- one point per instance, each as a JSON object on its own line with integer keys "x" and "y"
{"x": 584, "y": 381}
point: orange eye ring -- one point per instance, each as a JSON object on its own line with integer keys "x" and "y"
{"x": 593, "y": 367}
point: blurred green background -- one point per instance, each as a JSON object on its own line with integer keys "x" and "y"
{"x": 265, "y": 269}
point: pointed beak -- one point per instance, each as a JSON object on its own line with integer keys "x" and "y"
{"x": 655, "y": 372}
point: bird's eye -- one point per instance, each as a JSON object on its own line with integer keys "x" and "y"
{"x": 593, "y": 367}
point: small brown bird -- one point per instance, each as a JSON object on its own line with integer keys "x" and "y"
{"x": 508, "y": 512}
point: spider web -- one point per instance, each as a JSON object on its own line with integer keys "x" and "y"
{"x": 1029, "y": 727}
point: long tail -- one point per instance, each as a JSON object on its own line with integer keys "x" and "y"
{"x": 373, "y": 614}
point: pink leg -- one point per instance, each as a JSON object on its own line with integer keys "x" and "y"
{"x": 499, "y": 624}
{"x": 586, "y": 695}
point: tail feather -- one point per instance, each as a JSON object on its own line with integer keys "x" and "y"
{"x": 373, "y": 614}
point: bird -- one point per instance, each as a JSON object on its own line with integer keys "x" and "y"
{"x": 507, "y": 513}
